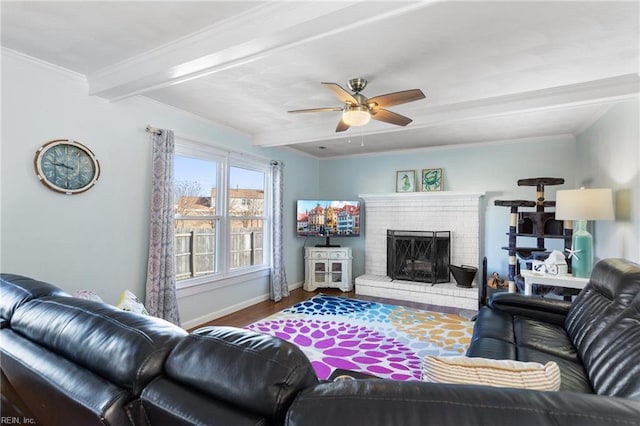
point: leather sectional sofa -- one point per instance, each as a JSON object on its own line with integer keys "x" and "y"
{"x": 68, "y": 361}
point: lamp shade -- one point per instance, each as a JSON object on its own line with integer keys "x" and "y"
{"x": 584, "y": 204}
{"x": 356, "y": 115}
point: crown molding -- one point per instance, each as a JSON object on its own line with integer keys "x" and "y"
{"x": 190, "y": 115}
{"x": 14, "y": 54}
{"x": 497, "y": 142}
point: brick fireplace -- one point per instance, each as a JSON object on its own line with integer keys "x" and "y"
{"x": 456, "y": 212}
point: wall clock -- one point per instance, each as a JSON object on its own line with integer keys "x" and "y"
{"x": 66, "y": 166}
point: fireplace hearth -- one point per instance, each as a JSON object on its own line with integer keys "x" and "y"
{"x": 422, "y": 256}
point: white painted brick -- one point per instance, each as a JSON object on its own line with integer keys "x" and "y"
{"x": 456, "y": 212}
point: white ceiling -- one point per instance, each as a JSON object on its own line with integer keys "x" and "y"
{"x": 490, "y": 70}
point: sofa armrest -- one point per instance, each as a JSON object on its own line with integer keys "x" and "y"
{"x": 548, "y": 310}
{"x": 386, "y": 402}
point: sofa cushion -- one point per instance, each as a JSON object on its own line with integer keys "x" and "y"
{"x": 17, "y": 289}
{"x": 574, "y": 377}
{"x": 125, "y": 348}
{"x": 387, "y": 402}
{"x": 491, "y": 372}
{"x": 166, "y": 402}
{"x": 604, "y": 326}
{"x": 255, "y": 372}
{"x": 56, "y": 391}
{"x": 544, "y": 337}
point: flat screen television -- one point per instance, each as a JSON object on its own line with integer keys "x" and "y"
{"x": 328, "y": 218}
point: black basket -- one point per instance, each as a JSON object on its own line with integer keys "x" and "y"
{"x": 463, "y": 274}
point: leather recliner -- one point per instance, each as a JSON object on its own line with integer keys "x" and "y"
{"x": 68, "y": 361}
{"x": 595, "y": 340}
{"x": 75, "y": 361}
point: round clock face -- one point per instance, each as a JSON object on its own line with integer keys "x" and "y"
{"x": 66, "y": 166}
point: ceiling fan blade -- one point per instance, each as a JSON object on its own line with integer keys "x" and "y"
{"x": 342, "y": 126}
{"x": 397, "y": 98}
{"x": 328, "y": 109}
{"x": 390, "y": 117}
{"x": 341, "y": 93}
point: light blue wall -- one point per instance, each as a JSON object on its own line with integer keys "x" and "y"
{"x": 608, "y": 154}
{"x": 493, "y": 168}
{"x": 98, "y": 240}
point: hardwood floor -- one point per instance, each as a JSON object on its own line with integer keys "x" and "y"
{"x": 261, "y": 310}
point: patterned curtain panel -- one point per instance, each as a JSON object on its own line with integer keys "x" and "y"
{"x": 279, "y": 287}
{"x": 161, "y": 300}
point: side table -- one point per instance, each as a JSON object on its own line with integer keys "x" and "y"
{"x": 569, "y": 281}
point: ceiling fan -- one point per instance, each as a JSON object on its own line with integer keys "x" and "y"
{"x": 358, "y": 109}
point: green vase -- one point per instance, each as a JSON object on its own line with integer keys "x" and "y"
{"x": 582, "y": 258}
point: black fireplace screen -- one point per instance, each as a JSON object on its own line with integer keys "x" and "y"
{"x": 418, "y": 255}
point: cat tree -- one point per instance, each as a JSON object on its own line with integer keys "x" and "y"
{"x": 539, "y": 224}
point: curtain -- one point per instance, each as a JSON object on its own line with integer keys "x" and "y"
{"x": 279, "y": 287}
{"x": 161, "y": 299}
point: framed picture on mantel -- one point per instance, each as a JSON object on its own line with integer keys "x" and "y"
{"x": 406, "y": 181}
{"x": 431, "y": 180}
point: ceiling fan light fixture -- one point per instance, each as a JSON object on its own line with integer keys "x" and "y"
{"x": 356, "y": 115}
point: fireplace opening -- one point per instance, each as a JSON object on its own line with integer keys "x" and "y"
{"x": 421, "y": 256}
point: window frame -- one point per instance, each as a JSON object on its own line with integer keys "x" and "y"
{"x": 265, "y": 218}
{"x": 225, "y": 274}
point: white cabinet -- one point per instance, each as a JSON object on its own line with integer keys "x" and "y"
{"x": 327, "y": 267}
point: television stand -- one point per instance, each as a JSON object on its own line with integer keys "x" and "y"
{"x": 327, "y": 267}
{"x": 328, "y": 244}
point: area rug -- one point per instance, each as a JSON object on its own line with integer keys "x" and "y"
{"x": 384, "y": 340}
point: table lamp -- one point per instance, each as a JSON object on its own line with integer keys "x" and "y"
{"x": 582, "y": 205}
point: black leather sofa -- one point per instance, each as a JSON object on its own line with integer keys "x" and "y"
{"x": 595, "y": 340}
{"x": 67, "y": 361}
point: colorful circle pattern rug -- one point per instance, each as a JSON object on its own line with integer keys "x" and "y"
{"x": 385, "y": 340}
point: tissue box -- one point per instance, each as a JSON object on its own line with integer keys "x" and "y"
{"x": 556, "y": 264}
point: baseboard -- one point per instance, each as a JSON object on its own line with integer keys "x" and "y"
{"x": 231, "y": 309}
{"x": 296, "y": 285}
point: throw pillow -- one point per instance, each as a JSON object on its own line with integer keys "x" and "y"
{"x": 491, "y": 372}
{"x": 87, "y": 295}
{"x": 129, "y": 302}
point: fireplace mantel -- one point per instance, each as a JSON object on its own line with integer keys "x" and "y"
{"x": 421, "y": 195}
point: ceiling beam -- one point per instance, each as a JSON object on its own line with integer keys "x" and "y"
{"x": 578, "y": 95}
{"x": 261, "y": 31}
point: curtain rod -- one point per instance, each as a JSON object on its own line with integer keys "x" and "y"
{"x": 156, "y": 131}
{"x": 153, "y": 130}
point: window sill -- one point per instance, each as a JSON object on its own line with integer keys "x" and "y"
{"x": 207, "y": 283}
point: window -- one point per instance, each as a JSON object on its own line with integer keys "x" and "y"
{"x": 246, "y": 214}
{"x": 220, "y": 214}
